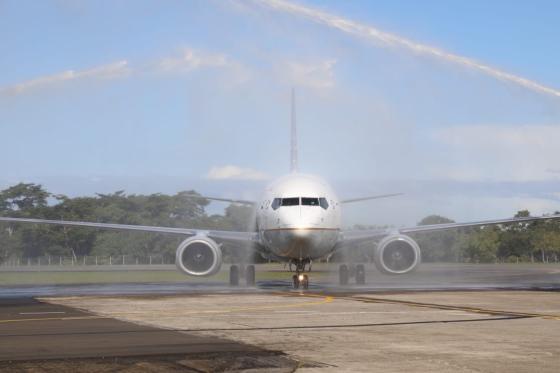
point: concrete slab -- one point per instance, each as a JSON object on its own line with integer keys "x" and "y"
{"x": 350, "y": 332}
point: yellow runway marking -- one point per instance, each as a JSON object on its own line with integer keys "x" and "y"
{"x": 54, "y": 318}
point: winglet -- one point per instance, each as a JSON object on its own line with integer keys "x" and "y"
{"x": 294, "y": 148}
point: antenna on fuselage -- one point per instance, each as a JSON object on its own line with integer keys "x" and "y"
{"x": 294, "y": 148}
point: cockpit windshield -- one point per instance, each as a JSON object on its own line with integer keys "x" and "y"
{"x": 307, "y": 201}
{"x": 296, "y": 201}
{"x": 290, "y": 201}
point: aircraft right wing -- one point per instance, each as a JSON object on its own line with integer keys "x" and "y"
{"x": 240, "y": 201}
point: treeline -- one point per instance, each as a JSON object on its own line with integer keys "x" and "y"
{"x": 515, "y": 242}
{"x": 537, "y": 241}
{"x": 30, "y": 240}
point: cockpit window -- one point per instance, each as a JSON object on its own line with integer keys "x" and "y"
{"x": 290, "y": 201}
{"x": 307, "y": 201}
{"x": 296, "y": 201}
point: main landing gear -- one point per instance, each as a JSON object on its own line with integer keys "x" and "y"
{"x": 236, "y": 272}
{"x": 300, "y": 279}
{"x": 358, "y": 272}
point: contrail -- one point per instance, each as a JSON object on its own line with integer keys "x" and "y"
{"x": 373, "y": 34}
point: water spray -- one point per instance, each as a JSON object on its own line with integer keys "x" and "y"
{"x": 391, "y": 40}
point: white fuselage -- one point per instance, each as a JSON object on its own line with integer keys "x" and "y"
{"x": 298, "y": 218}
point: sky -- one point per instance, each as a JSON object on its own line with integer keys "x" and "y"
{"x": 455, "y": 104}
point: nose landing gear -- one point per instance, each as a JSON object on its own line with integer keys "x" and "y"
{"x": 300, "y": 279}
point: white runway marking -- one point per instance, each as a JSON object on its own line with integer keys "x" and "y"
{"x": 41, "y": 313}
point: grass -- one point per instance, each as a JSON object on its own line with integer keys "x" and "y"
{"x": 124, "y": 276}
{"x": 86, "y": 277}
{"x": 121, "y": 275}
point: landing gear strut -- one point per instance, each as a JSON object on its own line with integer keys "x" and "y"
{"x": 300, "y": 279}
{"x": 235, "y": 273}
{"x": 345, "y": 272}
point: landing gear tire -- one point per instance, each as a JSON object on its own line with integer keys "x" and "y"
{"x": 343, "y": 274}
{"x": 250, "y": 275}
{"x": 295, "y": 280}
{"x": 305, "y": 282}
{"x": 234, "y": 275}
{"x": 360, "y": 274}
{"x": 351, "y": 270}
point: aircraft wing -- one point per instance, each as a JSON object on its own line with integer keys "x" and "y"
{"x": 370, "y": 197}
{"x": 357, "y": 236}
{"x": 230, "y": 236}
{"x": 240, "y": 201}
{"x": 439, "y": 227}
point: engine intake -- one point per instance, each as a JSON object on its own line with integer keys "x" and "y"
{"x": 199, "y": 256}
{"x": 397, "y": 254}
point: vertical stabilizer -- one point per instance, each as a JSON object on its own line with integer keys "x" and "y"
{"x": 294, "y": 148}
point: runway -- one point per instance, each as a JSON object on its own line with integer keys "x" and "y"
{"x": 38, "y": 335}
{"x": 482, "y": 318}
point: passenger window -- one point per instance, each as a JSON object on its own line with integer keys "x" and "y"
{"x": 323, "y": 203}
{"x": 306, "y": 201}
{"x": 290, "y": 201}
{"x": 276, "y": 202}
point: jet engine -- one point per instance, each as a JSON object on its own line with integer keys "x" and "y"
{"x": 397, "y": 254}
{"x": 199, "y": 256}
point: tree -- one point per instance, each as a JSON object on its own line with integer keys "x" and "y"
{"x": 23, "y": 200}
{"x": 437, "y": 246}
{"x": 481, "y": 244}
{"x": 545, "y": 239}
{"x": 515, "y": 240}
{"x": 24, "y": 197}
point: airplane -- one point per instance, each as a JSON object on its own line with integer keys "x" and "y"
{"x": 298, "y": 221}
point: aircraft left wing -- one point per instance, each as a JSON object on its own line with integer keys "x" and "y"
{"x": 357, "y": 236}
{"x": 351, "y": 200}
{"x": 439, "y": 227}
{"x": 229, "y": 236}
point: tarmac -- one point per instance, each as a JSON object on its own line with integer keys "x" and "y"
{"x": 447, "y": 319}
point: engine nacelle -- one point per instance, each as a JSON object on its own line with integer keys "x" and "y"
{"x": 397, "y": 254}
{"x": 199, "y": 256}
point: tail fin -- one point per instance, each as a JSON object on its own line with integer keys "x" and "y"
{"x": 294, "y": 148}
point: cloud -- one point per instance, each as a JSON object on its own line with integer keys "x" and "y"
{"x": 111, "y": 71}
{"x": 391, "y": 40}
{"x": 506, "y": 153}
{"x": 317, "y": 75}
{"x": 230, "y": 172}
